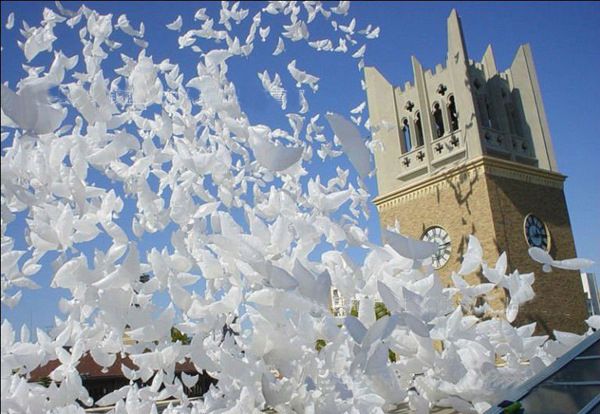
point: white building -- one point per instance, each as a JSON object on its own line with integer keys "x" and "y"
{"x": 338, "y": 304}
{"x": 592, "y": 292}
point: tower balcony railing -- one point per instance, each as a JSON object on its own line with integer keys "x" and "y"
{"x": 521, "y": 146}
{"x": 447, "y": 146}
{"x": 497, "y": 141}
{"x": 508, "y": 145}
{"x": 412, "y": 162}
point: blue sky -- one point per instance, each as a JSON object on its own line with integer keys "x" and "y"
{"x": 563, "y": 36}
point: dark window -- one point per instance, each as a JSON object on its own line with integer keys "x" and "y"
{"x": 452, "y": 115}
{"x": 490, "y": 114}
{"x": 513, "y": 120}
{"x": 483, "y": 111}
{"x": 438, "y": 120}
{"x": 418, "y": 129}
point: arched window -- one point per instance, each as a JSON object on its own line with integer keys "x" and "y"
{"x": 452, "y": 114}
{"x": 483, "y": 110}
{"x": 418, "y": 129}
{"x": 406, "y": 135}
{"x": 438, "y": 120}
{"x": 490, "y": 113}
{"x": 513, "y": 120}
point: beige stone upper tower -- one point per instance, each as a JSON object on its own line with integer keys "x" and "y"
{"x": 467, "y": 150}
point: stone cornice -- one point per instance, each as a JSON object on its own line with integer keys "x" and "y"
{"x": 483, "y": 164}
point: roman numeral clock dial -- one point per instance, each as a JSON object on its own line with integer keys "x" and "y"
{"x": 439, "y": 236}
{"x": 536, "y": 232}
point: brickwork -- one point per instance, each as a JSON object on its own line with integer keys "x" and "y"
{"x": 559, "y": 302}
{"x": 482, "y": 200}
{"x": 460, "y": 204}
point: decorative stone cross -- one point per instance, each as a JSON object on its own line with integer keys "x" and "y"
{"x": 441, "y": 89}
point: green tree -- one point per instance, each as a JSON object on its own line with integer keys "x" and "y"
{"x": 380, "y": 310}
{"x": 177, "y": 335}
{"x": 354, "y": 309}
{"x": 45, "y": 381}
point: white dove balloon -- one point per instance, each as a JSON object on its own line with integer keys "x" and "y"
{"x": 352, "y": 143}
{"x": 543, "y": 257}
{"x": 143, "y": 203}
{"x": 275, "y": 157}
{"x": 176, "y": 24}
{"x": 302, "y": 77}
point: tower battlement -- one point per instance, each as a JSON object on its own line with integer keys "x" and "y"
{"x": 461, "y": 110}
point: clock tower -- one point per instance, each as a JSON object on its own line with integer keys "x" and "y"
{"x": 467, "y": 150}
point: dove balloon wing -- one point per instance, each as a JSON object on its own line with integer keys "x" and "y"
{"x": 572, "y": 264}
{"x": 355, "y": 328}
{"x": 352, "y": 143}
{"x": 273, "y": 156}
{"x": 407, "y": 247}
{"x": 540, "y": 255}
{"x": 472, "y": 259}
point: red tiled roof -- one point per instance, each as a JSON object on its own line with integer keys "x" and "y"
{"x": 88, "y": 368}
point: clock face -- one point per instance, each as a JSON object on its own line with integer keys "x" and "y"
{"x": 440, "y": 236}
{"x": 536, "y": 232}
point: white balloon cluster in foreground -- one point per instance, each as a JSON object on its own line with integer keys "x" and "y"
{"x": 246, "y": 215}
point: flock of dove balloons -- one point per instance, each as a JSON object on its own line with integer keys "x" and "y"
{"x": 244, "y": 214}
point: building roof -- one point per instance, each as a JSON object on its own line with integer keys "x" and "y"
{"x": 570, "y": 385}
{"x": 89, "y": 369}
